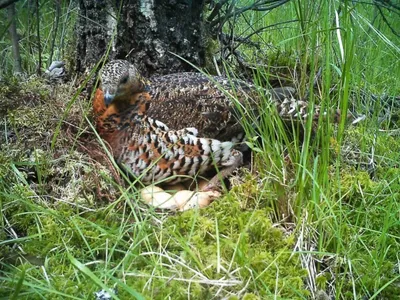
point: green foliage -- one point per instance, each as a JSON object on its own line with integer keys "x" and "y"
{"x": 321, "y": 205}
{"x": 62, "y": 34}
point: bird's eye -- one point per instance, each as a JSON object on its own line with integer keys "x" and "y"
{"x": 124, "y": 79}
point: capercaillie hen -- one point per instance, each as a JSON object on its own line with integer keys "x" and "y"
{"x": 176, "y": 126}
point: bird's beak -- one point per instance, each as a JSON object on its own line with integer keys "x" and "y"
{"x": 108, "y": 98}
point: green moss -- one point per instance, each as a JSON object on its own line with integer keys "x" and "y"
{"x": 237, "y": 232}
{"x": 250, "y": 296}
{"x": 212, "y": 47}
{"x": 363, "y": 144}
{"x": 321, "y": 281}
{"x": 369, "y": 205}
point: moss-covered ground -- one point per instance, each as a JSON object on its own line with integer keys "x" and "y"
{"x": 72, "y": 226}
{"x": 63, "y": 211}
{"x": 316, "y": 216}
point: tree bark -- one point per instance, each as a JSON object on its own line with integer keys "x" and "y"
{"x": 39, "y": 44}
{"x": 57, "y": 9}
{"x": 14, "y": 39}
{"x": 92, "y": 35}
{"x": 6, "y": 3}
{"x": 148, "y": 33}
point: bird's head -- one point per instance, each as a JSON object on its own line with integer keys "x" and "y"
{"x": 120, "y": 79}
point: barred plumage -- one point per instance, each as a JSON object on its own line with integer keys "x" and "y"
{"x": 178, "y": 124}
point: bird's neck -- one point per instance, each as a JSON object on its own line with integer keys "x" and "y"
{"x": 99, "y": 106}
{"x": 123, "y": 113}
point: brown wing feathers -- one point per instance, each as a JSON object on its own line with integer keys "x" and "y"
{"x": 178, "y": 124}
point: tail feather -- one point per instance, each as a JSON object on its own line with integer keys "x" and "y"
{"x": 290, "y": 106}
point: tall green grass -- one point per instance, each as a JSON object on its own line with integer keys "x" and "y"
{"x": 57, "y": 40}
{"x": 309, "y": 220}
{"x": 333, "y": 222}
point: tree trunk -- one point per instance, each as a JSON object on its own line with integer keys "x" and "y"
{"x": 92, "y": 33}
{"x": 5, "y": 3}
{"x": 39, "y": 65}
{"x": 57, "y": 9}
{"x": 148, "y": 33}
{"x": 14, "y": 38}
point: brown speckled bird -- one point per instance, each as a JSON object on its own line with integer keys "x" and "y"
{"x": 179, "y": 124}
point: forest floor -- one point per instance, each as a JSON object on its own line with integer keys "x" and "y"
{"x": 73, "y": 227}
{"x": 316, "y": 217}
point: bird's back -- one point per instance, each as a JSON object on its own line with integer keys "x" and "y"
{"x": 195, "y": 100}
